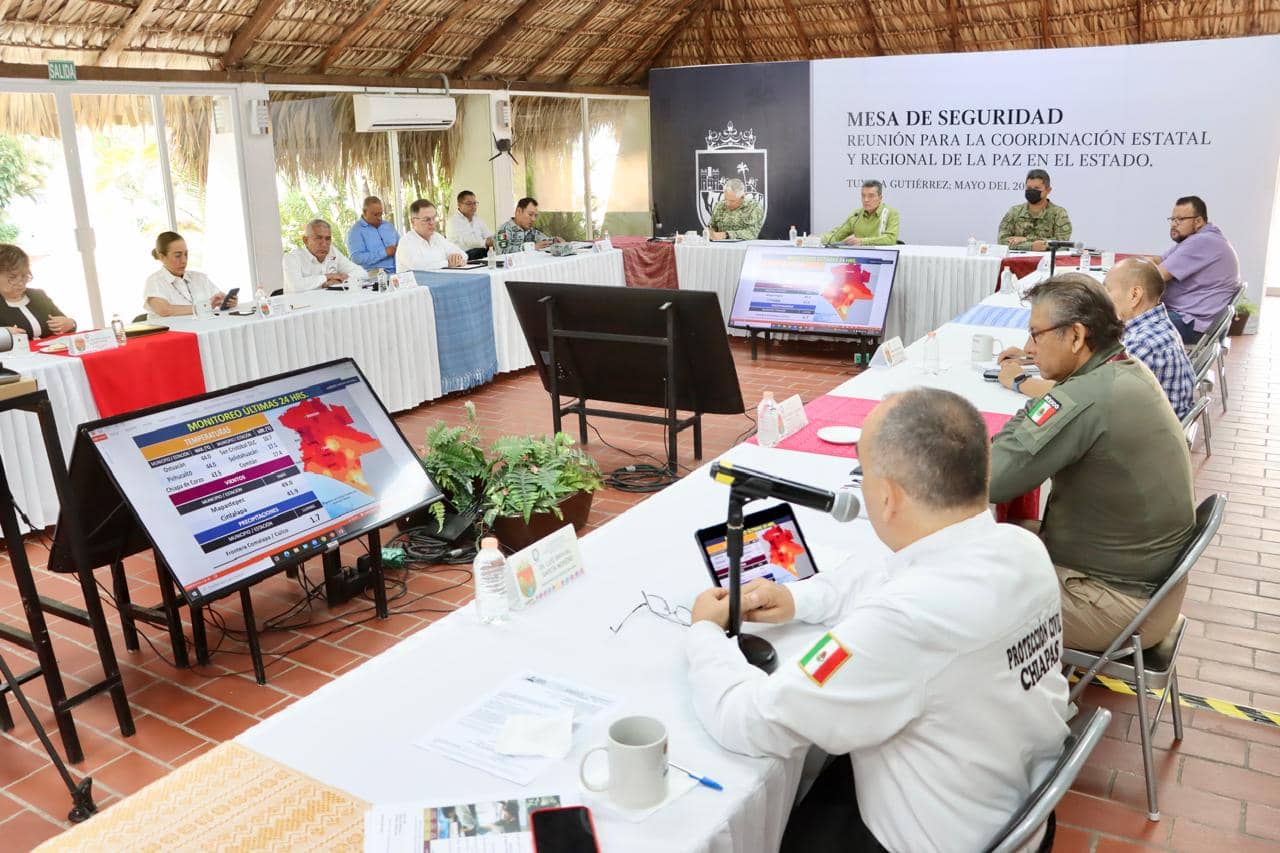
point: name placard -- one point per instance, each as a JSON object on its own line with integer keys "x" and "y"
{"x": 891, "y": 353}
{"x": 793, "y": 417}
{"x": 546, "y": 565}
{"x": 97, "y": 340}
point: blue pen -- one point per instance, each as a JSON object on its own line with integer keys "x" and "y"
{"x": 701, "y": 780}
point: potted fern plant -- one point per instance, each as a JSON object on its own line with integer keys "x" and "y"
{"x": 1244, "y": 310}
{"x": 537, "y": 484}
{"x": 456, "y": 461}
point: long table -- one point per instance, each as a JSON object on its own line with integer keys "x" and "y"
{"x": 933, "y": 283}
{"x": 369, "y": 718}
{"x": 390, "y": 335}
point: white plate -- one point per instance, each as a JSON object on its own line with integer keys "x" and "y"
{"x": 840, "y": 434}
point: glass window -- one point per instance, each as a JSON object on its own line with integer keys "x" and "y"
{"x": 620, "y": 166}
{"x": 548, "y": 146}
{"x": 35, "y": 200}
{"x": 324, "y": 168}
{"x": 206, "y": 186}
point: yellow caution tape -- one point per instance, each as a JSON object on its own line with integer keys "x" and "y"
{"x": 1190, "y": 700}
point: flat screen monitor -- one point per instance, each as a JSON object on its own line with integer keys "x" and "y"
{"x": 836, "y": 291}
{"x": 236, "y": 484}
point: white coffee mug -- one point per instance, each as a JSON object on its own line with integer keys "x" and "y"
{"x": 984, "y": 349}
{"x": 637, "y": 751}
{"x": 1108, "y": 260}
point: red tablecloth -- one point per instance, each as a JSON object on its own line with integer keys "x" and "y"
{"x": 1024, "y": 265}
{"x": 147, "y": 371}
{"x": 831, "y": 410}
{"x": 648, "y": 264}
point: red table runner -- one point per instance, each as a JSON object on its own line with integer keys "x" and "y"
{"x": 646, "y": 264}
{"x": 1024, "y": 265}
{"x": 147, "y": 371}
{"x": 831, "y": 410}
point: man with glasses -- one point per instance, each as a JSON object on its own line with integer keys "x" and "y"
{"x": 468, "y": 230}
{"x": 1122, "y": 505}
{"x": 423, "y": 247}
{"x": 372, "y": 240}
{"x": 936, "y": 680}
{"x": 1201, "y": 270}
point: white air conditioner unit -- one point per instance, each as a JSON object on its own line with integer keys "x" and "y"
{"x": 375, "y": 113}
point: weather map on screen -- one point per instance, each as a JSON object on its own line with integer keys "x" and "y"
{"x": 832, "y": 291}
{"x": 237, "y": 482}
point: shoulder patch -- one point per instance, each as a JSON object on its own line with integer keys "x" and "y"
{"x": 1043, "y": 409}
{"x": 822, "y": 661}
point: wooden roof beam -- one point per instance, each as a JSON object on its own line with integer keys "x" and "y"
{"x": 688, "y": 9}
{"x": 953, "y": 24}
{"x": 585, "y": 20}
{"x": 495, "y": 42}
{"x": 4, "y": 8}
{"x": 351, "y": 33}
{"x": 244, "y": 38}
{"x": 798, "y": 26}
{"x": 745, "y": 49}
{"x": 706, "y": 34}
{"x": 1044, "y": 23}
{"x": 875, "y": 28}
{"x": 1138, "y": 10}
{"x": 121, "y": 41}
{"x": 430, "y": 39}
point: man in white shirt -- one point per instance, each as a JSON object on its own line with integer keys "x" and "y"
{"x": 316, "y": 265}
{"x": 939, "y": 673}
{"x": 423, "y": 247}
{"x": 468, "y": 230}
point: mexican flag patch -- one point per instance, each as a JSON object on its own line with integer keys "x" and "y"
{"x": 1043, "y": 409}
{"x": 821, "y": 661}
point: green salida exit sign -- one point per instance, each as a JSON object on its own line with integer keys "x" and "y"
{"x": 62, "y": 70}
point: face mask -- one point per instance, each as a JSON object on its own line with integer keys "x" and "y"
{"x": 1032, "y": 196}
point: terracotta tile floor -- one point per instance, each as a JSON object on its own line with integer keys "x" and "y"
{"x": 1219, "y": 789}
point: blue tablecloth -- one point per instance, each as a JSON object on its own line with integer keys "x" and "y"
{"x": 990, "y": 315}
{"x": 464, "y": 328}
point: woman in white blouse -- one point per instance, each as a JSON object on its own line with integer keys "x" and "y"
{"x": 173, "y": 290}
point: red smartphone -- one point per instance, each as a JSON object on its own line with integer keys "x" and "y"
{"x": 568, "y": 829}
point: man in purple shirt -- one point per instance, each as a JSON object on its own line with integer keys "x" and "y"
{"x": 1201, "y": 269}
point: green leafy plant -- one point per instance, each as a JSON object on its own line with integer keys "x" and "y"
{"x": 1245, "y": 308}
{"x": 456, "y": 461}
{"x": 535, "y": 473}
{"x": 21, "y": 176}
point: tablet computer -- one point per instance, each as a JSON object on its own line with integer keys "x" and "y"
{"x": 773, "y": 548}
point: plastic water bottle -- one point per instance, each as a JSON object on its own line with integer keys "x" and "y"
{"x": 1006, "y": 280}
{"x": 492, "y": 259}
{"x": 493, "y": 587}
{"x": 117, "y": 326}
{"x": 791, "y": 235}
{"x": 971, "y": 247}
{"x": 932, "y": 358}
{"x": 768, "y": 421}
{"x": 382, "y": 279}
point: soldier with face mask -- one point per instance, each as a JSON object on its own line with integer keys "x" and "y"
{"x": 1029, "y": 225}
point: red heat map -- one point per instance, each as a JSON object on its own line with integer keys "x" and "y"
{"x": 783, "y": 548}
{"x": 848, "y": 284}
{"x": 330, "y": 446}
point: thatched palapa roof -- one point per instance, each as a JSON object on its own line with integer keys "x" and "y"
{"x": 569, "y": 44}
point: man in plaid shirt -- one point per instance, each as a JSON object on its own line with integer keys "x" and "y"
{"x": 1136, "y": 286}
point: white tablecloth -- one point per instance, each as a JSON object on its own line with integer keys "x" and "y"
{"x": 588, "y": 268}
{"x": 933, "y": 283}
{"x": 398, "y": 697}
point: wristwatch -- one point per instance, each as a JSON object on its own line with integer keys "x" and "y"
{"x": 1018, "y": 380}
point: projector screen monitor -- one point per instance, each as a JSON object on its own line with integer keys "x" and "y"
{"x": 235, "y": 485}
{"x": 833, "y": 291}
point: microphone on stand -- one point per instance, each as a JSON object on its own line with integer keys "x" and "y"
{"x": 754, "y": 485}
{"x": 746, "y": 485}
{"x": 1055, "y": 245}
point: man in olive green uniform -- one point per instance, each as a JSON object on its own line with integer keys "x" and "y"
{"x": 875, "y": 224}
{"x": 736, "y": 217}
{"x": 1029, "y": 225}
{"x": 1122, "y": 507}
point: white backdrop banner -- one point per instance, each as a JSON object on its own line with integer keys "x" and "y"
{"x": 1122, "y": 131}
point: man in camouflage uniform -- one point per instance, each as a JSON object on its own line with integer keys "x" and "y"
{"x": 1122, "y": 506}
{"x": 736, "y": 217}
{"x": 1029, "y": 225}
{"x": 519, "y": 229}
